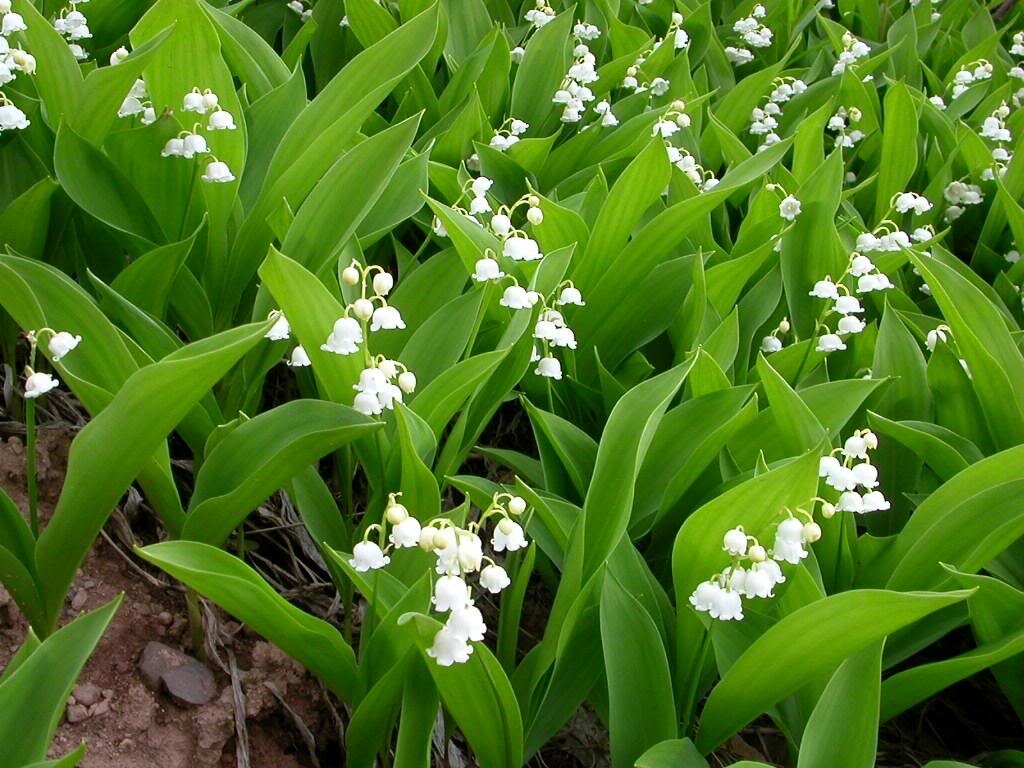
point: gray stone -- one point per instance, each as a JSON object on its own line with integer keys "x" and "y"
{"x": 77, "y": 713}
{"x": 191, "y": 684}
{"x": 158, "y": 659}
{"x": 86, "y": 694}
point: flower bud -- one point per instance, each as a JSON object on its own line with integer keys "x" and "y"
{"x": 362, "y": 308}
{"x": 407, "y": 382}
{"x": 535, "y": 216}
{"x": 757, "y": 553}
{"x": 828, "y": 510}
{"x": 533, "y": 201}
{"x": 396, "y": 513}
{"x": 784, "y": 326}
{"x": 812, "y": 532}
{"x": 517, "y": 505}
{"x": 350, "y": 276}
{"x": 427, "y": 538}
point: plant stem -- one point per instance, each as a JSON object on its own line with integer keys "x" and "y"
{"x": 690, "y": 699}
{"x": 30, "y": 461}
{"x": 195, "y": 620}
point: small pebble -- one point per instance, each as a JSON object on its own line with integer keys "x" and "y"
{"x": 86, "y": 694}
{"x": 165, "y": 618}
{"x": 77, "y": 713}
{"x": 100, "y": 708}
{"x": 79, "y": 600}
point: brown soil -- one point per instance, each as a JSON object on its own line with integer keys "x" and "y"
{"x": 131, "y": 726}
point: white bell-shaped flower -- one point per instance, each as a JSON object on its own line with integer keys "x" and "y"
{"x": 825, "y": 289}
{"x": 770, "y": 344}
{"x": 371, "y": 380}
{"x": 368, "y": 556}
{"x": 298, "y": 358}
{"x": 39, "y": 384}
{"x": 545, "y": 329}
{"x": 516, "y": 297}
{"x": 221, "y": 120}
{"x": 406, "y": 533}
{"x": 193, "y": 144}
{"x": 386, "y": 318}
{"x": 61, "y": 343}
{"x": 789, "y": 208}
{"x": 705, "y": 595}
{"x": 789, "y": 541}
{"x": 130, "y": 107}
{"x": 345, "y": 338}
{"x": 735, "y": 542}
{"x": 449, "y": 649}
{"x": 829, "y": 342}
{"x": 726, "y": 605}
{"x": 487, "y": 269}
{"x": 508, "y": 534}
{"x": 11, "y": 23}
{"x": 389, "y": 395}
{"x": 827, "y": 465}
{"x": 217, "y": 172}
{"x": 193, "y": 102}
{"x": 856, "y": 447}
{"x": 564, "y": 337}
{"x": 494, "y": 578}
{"x": 467, "y": 623}
{"x": 850, "y": 501}
{"x": 470, "y": 552}
{"x": 933, "y": 338}
{"x": 876, "y": 282}
{"x": 367, "y": 404}
{"x": 383, "y": 282}
{"x": 501, "y": 224}
{"x": 848, "y": 305}
{"x": 479, "y": 205}
{"x": 874, "y": 501}
{"x": 549, "y": 368}
{"x": 119, "y": 55}
{"x": 280, "y": 330}
{"x": 570, "y": 295}
{"x": 521, "y": 249}
{"x": 175, "y": 147}
{"x": 149, "y": 116}
{"x": 850, "y": 324}
{"x": 861, "y": 265}
{"x": 865, "y": 475}
{"x": 451, "y": 592}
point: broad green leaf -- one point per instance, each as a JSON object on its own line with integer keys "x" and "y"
{"x": 243, "y": 593}
{"x": 846, "y": 714}
{"x": 675, "y": 753}
{"x": 899, "y": 146}
{"x": 39, "y": 689}
{"x": 478, "y": 695}
{"x": 804, "y": 645}
{"x": 109, "y": 452}
{"x": 637, "y": 669}
{"x": 261, "y": 456}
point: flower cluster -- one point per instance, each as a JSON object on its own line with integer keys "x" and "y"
{"x": 772, "y": 343}
{"x": 508, "y": 134}
{"x": 845, "y": 304}
{"x": 754, "y": 571}
{"x": 853, "y": 50}
{"x": 460, "y": 553}
{"x": 765, "y": 119}
{"x": 540, "y": 14}
{"x": 1017, "y": 70}
{"x": 137, "y": 101}
{"x": 959, "y": 195}
{"x": 74, "y": 27}
{"x": 994, "y": 129}
{"x": 59, "y": 345}
{"x": 574, "y": 94}
{"x": 969, "y": 74}
{"x": 13, "y": 59}
{"x": 754, "y": 34}
{"x": 189, "y": 144}
{"x": 382, "y": 382}
{"x": 854, "y": 477}
{"x": 912, "y": 203}
{"x": 636, "y": 80}
{"x": 304, "y": 13}
{"x": 841, "y": 124}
